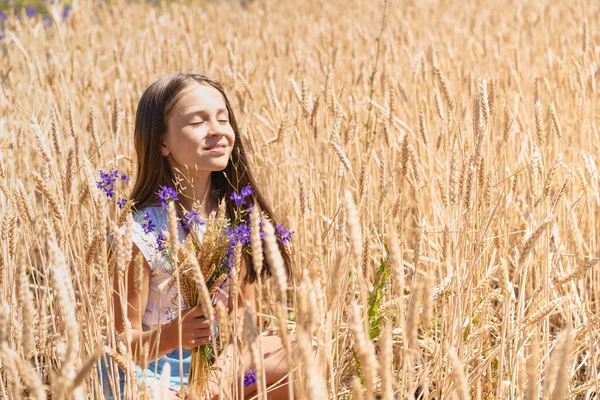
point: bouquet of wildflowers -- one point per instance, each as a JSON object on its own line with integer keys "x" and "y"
{"x": 215, "y": 257}
{"x": 204, "y": 264}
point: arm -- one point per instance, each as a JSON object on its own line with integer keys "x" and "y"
{"x": 131, "y": 304}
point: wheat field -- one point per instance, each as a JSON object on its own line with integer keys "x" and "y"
{"x": 437, "y": 161}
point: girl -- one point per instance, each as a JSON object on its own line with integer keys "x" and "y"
{"x": 186, "y": 133}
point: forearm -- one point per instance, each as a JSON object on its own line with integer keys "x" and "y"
{"x": 158, "y": 342}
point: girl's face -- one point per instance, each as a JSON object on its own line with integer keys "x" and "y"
{"x": 199, "y": 138}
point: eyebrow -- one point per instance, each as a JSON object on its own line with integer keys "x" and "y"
{"x": 204, "y": 111}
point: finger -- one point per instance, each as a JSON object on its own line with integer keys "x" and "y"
{"x": 199, "y": 341}
{"x": 194, "y": 312}
{"x": 196, "y": 323}
{"x": 200, "y": 333}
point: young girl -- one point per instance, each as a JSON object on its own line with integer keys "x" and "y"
{"x": 186, "y": 133}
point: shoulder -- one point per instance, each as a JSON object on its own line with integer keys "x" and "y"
{"x": 152, "y": 212}
{"x": 148, "y": 223}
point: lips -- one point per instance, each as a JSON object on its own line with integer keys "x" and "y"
{"x": 217, "y": 146}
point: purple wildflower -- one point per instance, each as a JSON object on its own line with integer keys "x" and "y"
{"x": 121, "y": 202}
{"x": 250, "y": 377}
{"x": 241, "y": 234}
{"x": 191, "y": 218}
{"x": 239, "y": 198}
{"x": 125, "y": 178}
{"x": 3, "y": 16}
{"x": 247, "y": 191}
{"x": 66, "y": 11}
{"x": 171, "y": 313}
{"x": 31, "y": 11}
{"x": 165, "y": 194}
{"x": 161, "y": 242}
{"x": 237, "y": 234}
{"x": 283, "y": 234}
{"x": 108, "y": 190}
{"x": 107, "y": 182}
{"x": 148, "y": 225}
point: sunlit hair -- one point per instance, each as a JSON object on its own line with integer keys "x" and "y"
{"x": 153, "y": 169}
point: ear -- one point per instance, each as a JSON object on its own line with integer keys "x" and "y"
{"x": 164, "y": 150}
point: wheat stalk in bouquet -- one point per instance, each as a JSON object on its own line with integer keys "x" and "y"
{"x": 204, "y": 271}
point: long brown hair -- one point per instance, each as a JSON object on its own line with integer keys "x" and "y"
{"x": 154, "y": 170}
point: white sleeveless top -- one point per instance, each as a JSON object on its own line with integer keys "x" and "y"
{"x": 162, "y": 294}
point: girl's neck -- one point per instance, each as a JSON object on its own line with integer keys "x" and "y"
{"x": 197, "y": 191}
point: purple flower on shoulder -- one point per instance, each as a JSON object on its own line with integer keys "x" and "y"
{"x": 161, "y": 242}
{"x": 165, "y": 194}
{"x": 148, "y": 225}
{"x": 191, "y": 218}
{"x": 250, "y": 377}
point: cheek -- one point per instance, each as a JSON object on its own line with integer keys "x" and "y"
{"x": 186, "y": 138}
{"x": 182, "y": 146}
{"x": 231, "y": 136}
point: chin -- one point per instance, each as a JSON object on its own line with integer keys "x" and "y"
{"x": 219, "y": 166}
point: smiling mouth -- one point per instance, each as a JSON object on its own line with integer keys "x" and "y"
{"x": 218, "y": 146}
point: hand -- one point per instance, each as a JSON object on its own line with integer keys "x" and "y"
{"x": 195, "y": 329}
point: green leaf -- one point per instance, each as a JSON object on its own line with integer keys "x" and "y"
{"x": 375, "y": 328}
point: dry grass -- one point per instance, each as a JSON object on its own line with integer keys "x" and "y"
{"x": 482, "y": 180}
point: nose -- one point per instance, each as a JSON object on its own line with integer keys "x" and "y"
{"x": 215, "y": 128}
